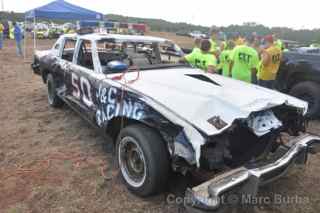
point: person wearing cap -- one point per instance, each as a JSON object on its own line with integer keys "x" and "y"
{"x": 202, "y": 59}
{"x": 270, "y": 63}
{"x": 244, "y": 61}
{"x": 213, "y": 41}
{"x": 1, "y": 35}
{"x": 224, "y": 58}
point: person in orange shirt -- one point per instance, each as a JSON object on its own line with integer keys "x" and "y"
{"x": 270, "y": 63}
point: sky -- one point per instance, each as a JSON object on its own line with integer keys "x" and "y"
{"x": 295, "y": 14}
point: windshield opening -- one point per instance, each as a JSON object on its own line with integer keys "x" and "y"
{"x": 138, "y": 55}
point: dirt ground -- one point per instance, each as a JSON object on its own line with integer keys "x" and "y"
{"x": 53, "y": 161}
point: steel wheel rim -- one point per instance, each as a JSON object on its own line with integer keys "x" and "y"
{"x": 132, "y": 162}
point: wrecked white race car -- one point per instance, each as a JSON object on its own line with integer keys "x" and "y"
{"x": 165, "y": 116}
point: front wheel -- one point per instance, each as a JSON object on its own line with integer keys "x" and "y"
{"x": 143, "y": 160}
{"x": 309, "y": 92}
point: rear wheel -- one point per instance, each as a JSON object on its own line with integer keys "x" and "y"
{"x": 143, "y": 160}
{"x": 53, "y": 99}
{"x": 310, "y": 92}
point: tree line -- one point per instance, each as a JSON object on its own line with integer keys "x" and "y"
{"x": 302, "y": 36}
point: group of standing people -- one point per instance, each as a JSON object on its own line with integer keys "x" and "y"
{"x": 252, "y": 59}
{"x": 18, "y": 37}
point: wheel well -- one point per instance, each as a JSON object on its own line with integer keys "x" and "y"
{"x": 298, "y": 77}
{"x": 116, "y": 124}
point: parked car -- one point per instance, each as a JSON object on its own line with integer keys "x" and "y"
{"x": 183, "y": 33}
{"x": 197, "y": 34}
{"x": 165, "y": 116}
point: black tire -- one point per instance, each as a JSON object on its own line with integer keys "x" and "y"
{"x": 155, "y": 160}
{"x": 308, "y": 91}
{"x": 53, "y": 99}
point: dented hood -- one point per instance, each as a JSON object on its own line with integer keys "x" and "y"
{"x": 198, "y": 97}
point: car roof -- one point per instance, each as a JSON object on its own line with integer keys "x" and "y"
{"x": 119, "y": 38}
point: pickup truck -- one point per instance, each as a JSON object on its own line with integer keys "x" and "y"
{"x": 299, "y": 76}
{"x": 168, "y": 117}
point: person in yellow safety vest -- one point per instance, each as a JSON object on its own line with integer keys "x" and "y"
{"x": 244, "y": 61}
{"x": 202, "y": 59}
{"x": 11, "y": 31}
{"x": 224, "y": 58}
{"x": 68, "y": 30}
{"x": 65, "y": 30}
{"x": 270, "y": 62}
{"x": 278, "y": 42}
{"x": 71, "y": 31}
{"x": 238, "y": 40}
{"x": 213, "y": 41}
{"x": 197, "y": 45}
{"x": 223, "y": 46}
{"x": 196, "y": 49}
{"x": 241, "y": 41}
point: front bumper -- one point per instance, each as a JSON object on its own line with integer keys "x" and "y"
{"x": 212, "y": 196}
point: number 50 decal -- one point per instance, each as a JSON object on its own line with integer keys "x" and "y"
{"x": 81, "y": 87}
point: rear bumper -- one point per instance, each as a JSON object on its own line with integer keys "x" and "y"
{"x": 212, "y": 196}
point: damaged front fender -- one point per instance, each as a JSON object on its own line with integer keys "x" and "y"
{"x": 183, "y": 140}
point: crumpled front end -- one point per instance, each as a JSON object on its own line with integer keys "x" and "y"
{"x": 213, "y": 195}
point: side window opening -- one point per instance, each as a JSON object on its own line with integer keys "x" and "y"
{"x": 68, "y": 49}
{"x": 134, "y": 54}
{"x": 85, "y": 55}
{"x": 109, "y": 50}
